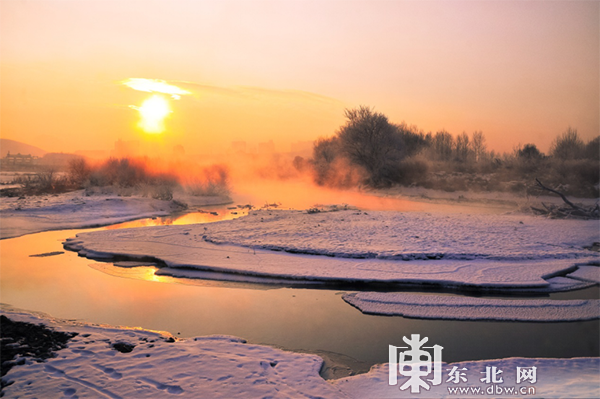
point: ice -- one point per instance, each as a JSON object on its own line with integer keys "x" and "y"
{"x": 468, "y": 308}
{"x": 586, "y": 273}
{"x": 494, "y": 252}
{"x": 228, "y": 367}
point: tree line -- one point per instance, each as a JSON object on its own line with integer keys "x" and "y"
{"x": 369, "y": 150}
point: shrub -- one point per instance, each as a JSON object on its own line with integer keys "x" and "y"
{"x": 78, "y": 171}
{"x": 592, "y": 149}
{"x": 567, "y": 146}
{"x": 529, "y": 152}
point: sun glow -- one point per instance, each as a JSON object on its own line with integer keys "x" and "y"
{"x": 153, "y": 112}
{"x": 155, "y": 108}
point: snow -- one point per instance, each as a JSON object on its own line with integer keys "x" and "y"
{"x": 409, "y": 235}
{"x": 33, "y": 214}
{"x": 228, "y": 367}
{"x": 467, "y": 308}
{"x": 586, "y": 273}
{"x": 504, "y": 252}
{"x": 556, "y": 378}
{"x": 203, "y": 367}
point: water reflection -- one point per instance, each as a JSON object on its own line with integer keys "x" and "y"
{"x": 210, "y": 215}
{"x": 309, "y": 319}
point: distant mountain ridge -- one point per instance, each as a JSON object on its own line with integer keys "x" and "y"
{"x": 16, "y": 147}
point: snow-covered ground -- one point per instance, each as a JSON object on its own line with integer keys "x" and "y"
{"x": 486, "y": 251}
{"x": 555, "y": 378}
{"x": 466, "y": 308}
{"x": 409, "y": 235}
{"x": 159, "y": 366}
{"x": 32, "y": 214}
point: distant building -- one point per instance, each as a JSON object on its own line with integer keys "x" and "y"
{"x": 19, "y": 160}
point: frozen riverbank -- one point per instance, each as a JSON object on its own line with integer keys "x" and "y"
{"x": 32, "y": 214}
{"x": 104, "y": 361}
{"x": 499, "y": 252}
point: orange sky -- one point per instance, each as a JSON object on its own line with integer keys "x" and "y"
{"x": 285, "y": 70}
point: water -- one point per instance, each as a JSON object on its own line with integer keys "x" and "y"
{"x": 303, "y": 319}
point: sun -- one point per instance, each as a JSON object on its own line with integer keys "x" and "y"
{"x": 153, "y": 112}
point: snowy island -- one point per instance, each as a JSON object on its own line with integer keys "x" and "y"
{"x": 481, "y": 252}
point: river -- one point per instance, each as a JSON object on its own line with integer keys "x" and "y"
{"x": 314, "y": 320}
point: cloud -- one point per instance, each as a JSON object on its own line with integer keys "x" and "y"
{"x": 155, "y": 86}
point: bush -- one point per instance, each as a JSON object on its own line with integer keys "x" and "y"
{"x": 592, "y": 149}
{"x": 213, "y": 181}
{"x": 78, "y": 171}
{"x": 46, "y": 181}
{"x": 163, "y": 192}
{"x": 410, "y": 171}
{"x": 567, "y": 146}
{"x": 529, "y": 152}
{"x": 325, "y": 152}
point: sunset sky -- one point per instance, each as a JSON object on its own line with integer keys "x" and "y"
{"x": 519, "y": 71}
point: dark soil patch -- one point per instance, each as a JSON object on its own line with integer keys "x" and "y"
{"x": 27, "y": 340}
{"x": 123, "y": 347}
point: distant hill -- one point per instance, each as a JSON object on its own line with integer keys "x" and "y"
{"x": 16, "y": 147}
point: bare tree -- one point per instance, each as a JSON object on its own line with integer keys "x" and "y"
{"x": 371, "y": 142}
{"x": 78, "y": 171}
{"x": 443, "y": 144}
{"x": 462, "y": 147}
{"x": 478, "y": 145}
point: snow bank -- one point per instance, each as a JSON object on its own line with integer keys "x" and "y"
{"x": 467, "y": 308}
{"x": 204, "y": 367}
{"x": 33, "y": 214}
{"x": 469, "y": 251}
{"x": 159, "y": 366}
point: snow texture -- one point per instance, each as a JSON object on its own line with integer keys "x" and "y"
{"x": 409, "y": 235}
{"x": 33, "y": 214}
{"x": 586, "y": 273}
{"x": 204, "y": 367}
{"x": 468, "y": 251}
{"x": 468, "y": 308}
{"x": 227, "y": 367}
{"x": 556, "y": 378}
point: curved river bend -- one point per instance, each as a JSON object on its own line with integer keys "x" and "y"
{"x": 301, "y": 319}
